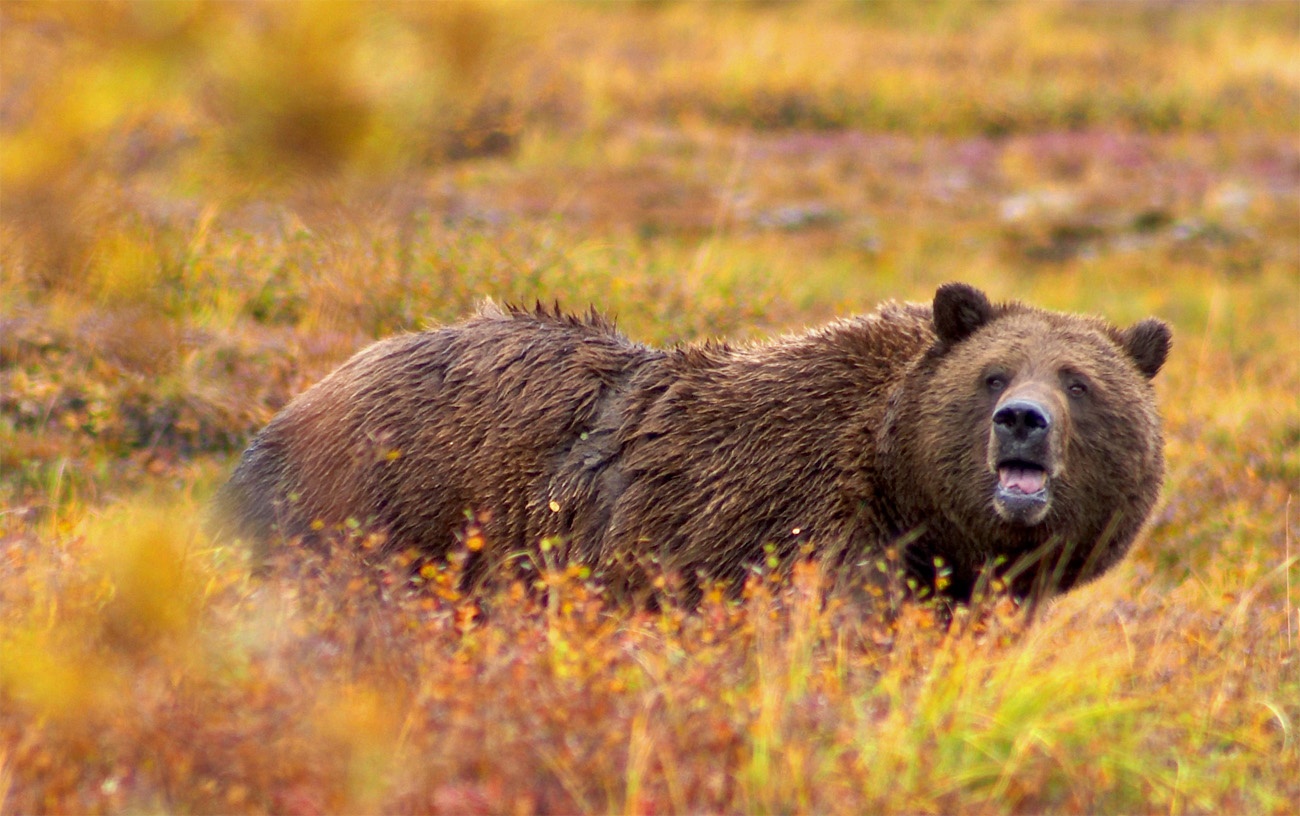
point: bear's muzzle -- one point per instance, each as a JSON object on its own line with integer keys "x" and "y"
{"x": 1021, "y": 455}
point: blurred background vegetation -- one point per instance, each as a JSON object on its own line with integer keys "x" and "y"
{"x": 205, "y": 206}
{"x": 126, "y": 123}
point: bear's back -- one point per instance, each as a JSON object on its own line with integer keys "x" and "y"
{"x": 415, "y": 429}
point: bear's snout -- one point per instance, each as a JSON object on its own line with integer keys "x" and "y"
{"x": 1020, "y": 453}
{"x": 1022, "y": 423}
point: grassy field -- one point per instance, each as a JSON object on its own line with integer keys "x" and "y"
{"x": 206, "y": 207}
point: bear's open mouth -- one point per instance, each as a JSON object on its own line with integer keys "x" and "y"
{"x": 1021, "y": 477}
{"x": 1022, "y": 494}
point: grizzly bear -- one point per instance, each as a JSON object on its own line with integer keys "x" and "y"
{"x": 970, "y": 440}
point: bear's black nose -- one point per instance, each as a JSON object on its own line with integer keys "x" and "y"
{"x": 1022, "y": 420}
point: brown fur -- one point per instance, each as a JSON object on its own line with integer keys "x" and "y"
{"x": 865, "y": 433}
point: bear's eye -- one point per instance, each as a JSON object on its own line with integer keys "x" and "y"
{"x": 995, "y": 382}
{"x": 1077, "y": 389}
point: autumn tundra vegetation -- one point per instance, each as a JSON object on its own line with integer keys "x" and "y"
{"x": 207, "y": 207}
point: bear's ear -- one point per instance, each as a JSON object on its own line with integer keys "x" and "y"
{"x": 1147, "y": 342}
{"x": 959, "y": 310}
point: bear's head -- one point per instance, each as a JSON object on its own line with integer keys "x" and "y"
{"x": 1027, "y": 438}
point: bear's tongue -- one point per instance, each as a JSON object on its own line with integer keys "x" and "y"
{"x": 1021, "y": 479}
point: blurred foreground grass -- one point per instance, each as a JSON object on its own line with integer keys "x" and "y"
{"x": 205, "y": 207}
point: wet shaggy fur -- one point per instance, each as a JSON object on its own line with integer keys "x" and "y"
{"x": 869, "y": 434}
